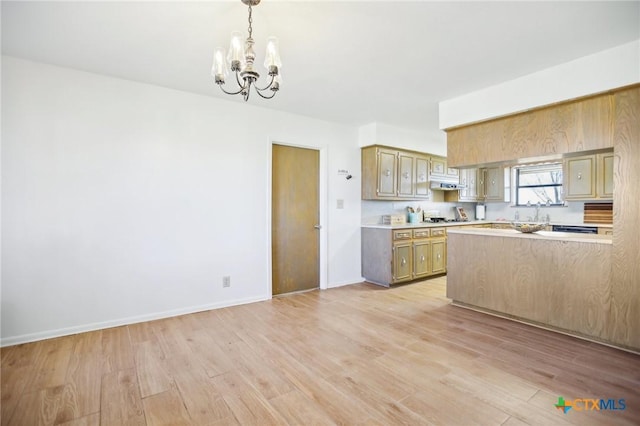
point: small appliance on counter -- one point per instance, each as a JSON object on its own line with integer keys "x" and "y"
{"x": 480, "y": 212}
{"x": 433, "y": 216}
{"x": 461, "y": 215}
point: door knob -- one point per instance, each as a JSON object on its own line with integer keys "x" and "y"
{"x": 317, "y": 226}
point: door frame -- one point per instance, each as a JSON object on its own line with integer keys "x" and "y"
{"x": 322, "y": 205}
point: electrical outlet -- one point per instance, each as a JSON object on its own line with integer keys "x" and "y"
{"x": 226, "y": 281}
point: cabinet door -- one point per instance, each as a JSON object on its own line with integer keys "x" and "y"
{"x": 405, "y": 175}
{"x": 422, "y": 177}
{"x": 421, "y": 259}
{"x": 469, "y": 179}
{"x": 438, "y": 256}
{"x": 493, "y": 184}
{"x": 605, "y": 175}
{"x": 579, "y": 178}
{"x": 387, "y": 172}
{"x": 402, "y": 267}
{"x": 438, "y": 166}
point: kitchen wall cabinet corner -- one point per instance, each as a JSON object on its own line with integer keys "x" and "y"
{"x": 392, "y": 174}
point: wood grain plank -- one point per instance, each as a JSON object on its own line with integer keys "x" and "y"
{"x": 152, "y": 375}
{"x": 117, "y": 350}
{"x": 166, "y": 408}
{"x": 120, "y": 399}
{"x": 90, "y": 420}
{"x": 201, "y": 399}
{"x": 247, "y": 404}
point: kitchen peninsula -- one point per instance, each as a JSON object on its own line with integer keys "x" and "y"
{"x": 551, "y": 279}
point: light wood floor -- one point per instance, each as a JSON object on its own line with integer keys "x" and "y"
{"x": 354, "y": 355}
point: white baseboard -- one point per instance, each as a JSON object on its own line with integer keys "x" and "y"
{"x": 49, "y": 334}
{"x": 343, "y": 283}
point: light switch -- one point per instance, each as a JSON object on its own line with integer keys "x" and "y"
{"x": 340, "y": 204}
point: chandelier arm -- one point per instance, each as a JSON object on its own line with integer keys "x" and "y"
{"x": 265, "y": 97}
{"x": 240, "y": 84}
{"x": 231, "y": 93}
{"x": 273, "y": 77}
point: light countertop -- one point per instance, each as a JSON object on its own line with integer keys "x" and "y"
{"x": 540, "y": 235}
{"x": 471, "y": 223}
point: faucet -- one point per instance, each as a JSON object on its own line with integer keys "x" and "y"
{"x": 537, "y": 217}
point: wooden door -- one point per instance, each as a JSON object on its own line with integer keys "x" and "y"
{"x": 295, "y": 219}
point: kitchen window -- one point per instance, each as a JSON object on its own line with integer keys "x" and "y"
{"x": 540, "y": 183}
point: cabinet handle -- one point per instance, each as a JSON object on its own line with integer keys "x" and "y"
{"x": 387, "y": 172}
{"x": 422, "y": 176}
{"x": 579, "y": 175}
{"x": 493, "y": 182}
{"x": 438, "y": 256}
{"x": 422, "y": 259}
{"x": 405, "y": 175}
{"x": 403, "y": 261}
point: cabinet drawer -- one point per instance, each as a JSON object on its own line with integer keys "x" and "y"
{"x": 438, "y": 232}
{"x": 402, "y": 235}
{"x": 421, "y": 233}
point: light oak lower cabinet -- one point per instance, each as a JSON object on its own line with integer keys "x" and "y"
{"x": 396, "y": 256}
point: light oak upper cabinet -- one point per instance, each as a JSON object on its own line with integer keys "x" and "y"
{"x": 386, "y": 170}
{"x": 469, "y": 181}
{"x": 492, "y": 184}
{"x": 392, "y": 174}
{"x": 405, "y": 174}
{"x": 440, "y": 169}
{"x": 438, "y": 166}
{"x": 422, "y": 177}
{"x": 604, "y": 175}
{"x": 573, "y": 126}
{"x": 588, "y": 177}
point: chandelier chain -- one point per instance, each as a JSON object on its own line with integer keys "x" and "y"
{"x": 250, "y": 22}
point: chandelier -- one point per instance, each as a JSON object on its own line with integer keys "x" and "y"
{"x": 240, "y": 59}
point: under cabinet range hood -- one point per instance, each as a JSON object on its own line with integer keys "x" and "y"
{"x": 446, "y": 186}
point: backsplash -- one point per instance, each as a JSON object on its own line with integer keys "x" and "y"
{"x": 573, "y": 213}
{"x": 372, "y": 211}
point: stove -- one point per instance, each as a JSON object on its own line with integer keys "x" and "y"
{"x": 440, "y": 219}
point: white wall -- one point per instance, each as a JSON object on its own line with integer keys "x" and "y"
{"x": 384, "y": 134}
{"x": 595, "y": 73}
{"x": 123, "y": 202}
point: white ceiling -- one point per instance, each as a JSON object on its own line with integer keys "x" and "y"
{"x": 351, "y": 62}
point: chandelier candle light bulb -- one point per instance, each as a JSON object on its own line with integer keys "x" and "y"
{"x": 240, "y": 58}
